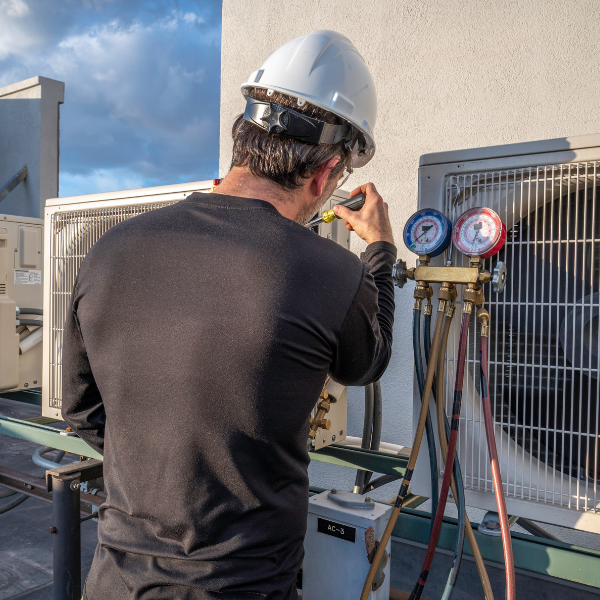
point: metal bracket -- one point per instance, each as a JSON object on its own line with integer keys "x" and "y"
{"x": 351, "y": 500}
{"x": 490, "y": 524}
{"x": 372, "y": 546}
{"x": 85, "y": 470}
{"x": 13, "y": 183}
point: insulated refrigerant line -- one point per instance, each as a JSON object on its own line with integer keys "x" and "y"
{"x": 456, "y": 483}
{"x": 437, "y": 525}
{"x": 509, "y": 563}
{"x": 411, "y": 461}
{"x": 365, "y": 444}
{"x": 377, "y": 424}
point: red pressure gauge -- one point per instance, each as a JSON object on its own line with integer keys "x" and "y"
{"x": 479, "y": 232}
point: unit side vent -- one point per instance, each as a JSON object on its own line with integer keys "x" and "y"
{"x": 544, "y": 342}
{"x": 73, "y": 234}
{"x": 2, "y": 289}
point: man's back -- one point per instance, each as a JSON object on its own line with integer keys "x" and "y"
{"x": 202, "y": 334}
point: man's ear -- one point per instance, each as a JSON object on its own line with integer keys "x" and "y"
{"x": 320, "y": 177}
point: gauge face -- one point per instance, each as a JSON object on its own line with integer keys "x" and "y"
{"x": 479, "y": 232}
{"x": 427, "y": 232}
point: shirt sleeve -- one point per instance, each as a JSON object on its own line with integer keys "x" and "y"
{"x": 365, "y": 340}
{"x": 82, "y": 406}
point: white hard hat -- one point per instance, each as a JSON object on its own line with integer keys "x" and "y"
{"x": 323, "y": 68}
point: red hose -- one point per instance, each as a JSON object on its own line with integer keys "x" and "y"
{"x": 511, "y": 593}
{"x": 439, "y": 515}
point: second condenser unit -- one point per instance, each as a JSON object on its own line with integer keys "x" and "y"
{"x": 73, "y": 225}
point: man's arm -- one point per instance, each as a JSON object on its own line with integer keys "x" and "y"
{"x": 82, "y": 406}
{"x": 365, "y": 339}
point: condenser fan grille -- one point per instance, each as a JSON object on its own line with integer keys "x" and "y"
{"x": 544, "y": 343}
{"x": 73, "y": 233}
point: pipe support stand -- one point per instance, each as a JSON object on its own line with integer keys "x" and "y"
{"x": 67, "y": 540}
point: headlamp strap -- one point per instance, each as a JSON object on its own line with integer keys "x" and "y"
{"x": 274, "y": 118}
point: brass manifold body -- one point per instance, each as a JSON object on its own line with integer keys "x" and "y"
{"x": 423, "y": 273}
{"x": 473, "y": 277}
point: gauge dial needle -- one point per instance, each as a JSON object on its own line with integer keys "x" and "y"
{"x": 477, "y": 227}
{"x": 426, "y": 228}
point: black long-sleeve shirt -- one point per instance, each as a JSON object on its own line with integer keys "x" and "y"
{"x": 198, "y": 339}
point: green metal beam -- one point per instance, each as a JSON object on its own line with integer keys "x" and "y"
{"x": 365, "y": 460}
{"x": 537, "y": 555}
{"x": 45, "y": 436}
{"x": 27, "y": 396}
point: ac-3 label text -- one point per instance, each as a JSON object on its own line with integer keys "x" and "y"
{"x": 337, "y": 530}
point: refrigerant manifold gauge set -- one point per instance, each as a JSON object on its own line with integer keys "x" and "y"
{"x": 478, "y": 233}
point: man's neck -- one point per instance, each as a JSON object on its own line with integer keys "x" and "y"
{"x": 240, "y": 182}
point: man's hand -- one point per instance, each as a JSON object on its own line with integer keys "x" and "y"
{"x": 371, "y": 222}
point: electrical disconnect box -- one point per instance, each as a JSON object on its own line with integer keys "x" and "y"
{"x": 21, "y": 261}
{"x": 343, "y": 527}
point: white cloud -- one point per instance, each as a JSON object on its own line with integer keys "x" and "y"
{"x": 192, "y": 18}
{"x": 17, "y": 34}
{"x": 97, "y": 4}
{"x": 141, "y": 81}
{"x": 99, "y": 180}
{"x": 14, "y": 8}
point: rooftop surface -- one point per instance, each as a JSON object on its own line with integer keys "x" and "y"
{"x": 26, "y": 544}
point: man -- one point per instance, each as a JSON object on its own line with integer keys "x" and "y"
{"x": 200, "y": 336}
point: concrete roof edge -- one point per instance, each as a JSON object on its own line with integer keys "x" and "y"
{"x": 517, "y": 149}
{"x": 19, "y": 86}
{"x": 55, "y": 86}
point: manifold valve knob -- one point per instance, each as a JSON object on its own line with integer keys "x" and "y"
{"x": 499, "y": 278}
{"x": 398, "y": 275}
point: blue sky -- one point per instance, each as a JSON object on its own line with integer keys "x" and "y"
{"x": 141, "y": 85}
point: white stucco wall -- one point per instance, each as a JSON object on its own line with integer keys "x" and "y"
{"x": 29, "y": 135}
{"x": 449, "y": 74}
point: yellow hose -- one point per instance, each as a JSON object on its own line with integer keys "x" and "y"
{"x": 413, "y": 454}
{"x": 485, "y": 582}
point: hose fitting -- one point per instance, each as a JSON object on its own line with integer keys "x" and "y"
{"x": 473, "y": 295}
{"x": 423, "y": 291}
{"x": 447, "y": 292}
{"x": 428, "y": 307}
{"x": 447, "y": 296}
{"x": 483, "y": 317}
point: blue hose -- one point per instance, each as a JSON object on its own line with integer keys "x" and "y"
{"x": 433, "y": 467}
{"x": 460, "y": 499}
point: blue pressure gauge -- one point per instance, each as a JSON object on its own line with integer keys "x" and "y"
{"x": 427, "y": 232}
